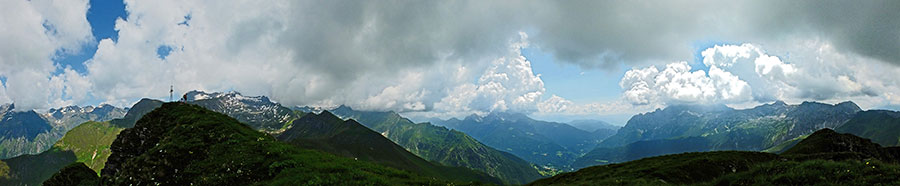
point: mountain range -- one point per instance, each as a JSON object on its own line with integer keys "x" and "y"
{"x": 29, "y": 132}
{"x": 698, "y": 128}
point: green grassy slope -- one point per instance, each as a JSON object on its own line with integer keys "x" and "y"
{"x": 684, "y": 168}
{"x": 882, "y": 126}
{"x": 777, "y": 149}
{"x": 445, "y": 146}
{"x": 90, "y": 142}
{"x": 182, "y": 144}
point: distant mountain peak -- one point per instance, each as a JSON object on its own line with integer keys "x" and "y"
{"x": 848, "y": 104}
{"x": 514, "y": 116}
{"x": 328, "y": 115}
{"x": 811, "y": 103}
{"x": 26, "y": 124}
{"x": 343, "y": 108}
{"x": 779, "y": 103}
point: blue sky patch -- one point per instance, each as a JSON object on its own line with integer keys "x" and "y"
{"x": 572, "y": 82}
{"x": 102, "y": 16}
{"x": 163, "y": 51}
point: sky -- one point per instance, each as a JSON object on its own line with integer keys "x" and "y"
{"x": 554, "y": 60}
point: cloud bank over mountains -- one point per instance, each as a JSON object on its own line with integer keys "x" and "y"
{"x": 456, "y": 57}
{"x": 745, "y": 73}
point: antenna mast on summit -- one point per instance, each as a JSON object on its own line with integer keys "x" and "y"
{"x": 171, "y": 90}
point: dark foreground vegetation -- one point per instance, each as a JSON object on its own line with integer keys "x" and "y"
{"x": 825, "y": 157}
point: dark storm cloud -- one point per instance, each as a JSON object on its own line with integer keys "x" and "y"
{"x": 592, "y": 33}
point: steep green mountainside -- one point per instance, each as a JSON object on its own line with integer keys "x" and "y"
{"x": 445, "y": 146}
{"x": 183, "y": 144}
{"x": 778, "y": 149}
{"x": 825, "y": 157}
{"x": 602, "y": 133}
{"x": 90, "y": 142}
{"x": 826, "y": 142}
{"x": 882, "y": 126}
{"x": 721, "y": 128}
{"x": 348, "y": 138}
{"x": 544, "y": 143}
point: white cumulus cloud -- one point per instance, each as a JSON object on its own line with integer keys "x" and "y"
{"x": 35, "y": 32}
{"x": 676, "y": 83}
{"x": 741, "y": 74}
{"x": 509, "y": 84}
